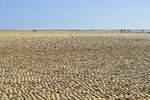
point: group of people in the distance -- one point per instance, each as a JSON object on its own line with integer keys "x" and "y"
{"x": 34, "y": 30}
{"x": 129, "y": 30}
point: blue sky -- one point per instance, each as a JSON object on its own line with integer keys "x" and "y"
{"x": 74, "y": 14}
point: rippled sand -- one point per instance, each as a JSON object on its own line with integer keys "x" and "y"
{"x": 74, "y": 65}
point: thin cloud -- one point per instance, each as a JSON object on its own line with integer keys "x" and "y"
{"x": 3, "y": 1}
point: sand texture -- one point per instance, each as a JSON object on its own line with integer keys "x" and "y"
{"x": 74, "y": 65}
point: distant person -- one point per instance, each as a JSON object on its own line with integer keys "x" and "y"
{"x": 34, "y": 30}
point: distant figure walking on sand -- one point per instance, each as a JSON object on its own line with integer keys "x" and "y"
{"x": 34, "y": 30}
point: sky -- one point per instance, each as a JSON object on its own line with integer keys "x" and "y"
{"x": 74, "y": 14}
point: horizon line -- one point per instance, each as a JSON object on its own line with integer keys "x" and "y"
{"x": 71, "y": 29}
